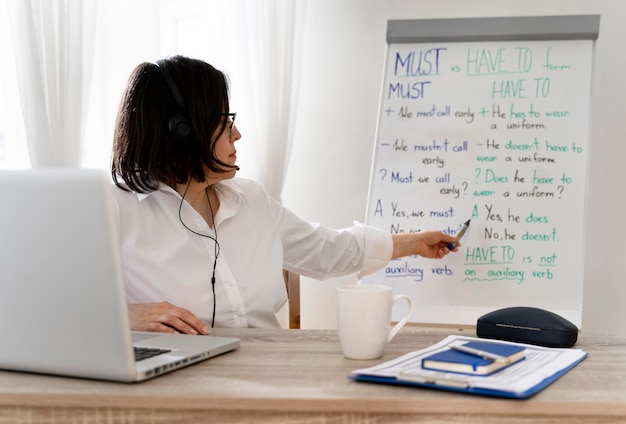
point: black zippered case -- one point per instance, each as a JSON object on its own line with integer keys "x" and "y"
{"x": 530, "y": 325}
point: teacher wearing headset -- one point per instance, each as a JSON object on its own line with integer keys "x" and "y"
{"x": 202, "y": 248}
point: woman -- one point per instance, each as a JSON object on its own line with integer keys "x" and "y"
{"x": 200, "y": 247}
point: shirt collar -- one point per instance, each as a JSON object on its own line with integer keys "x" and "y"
{"x": 162, "y": 188}
{"x": 228, "y": 191}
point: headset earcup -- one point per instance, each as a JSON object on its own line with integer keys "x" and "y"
{"x": 179, "y": 125}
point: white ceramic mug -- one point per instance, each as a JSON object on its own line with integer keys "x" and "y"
{"x": 364, "y": 319}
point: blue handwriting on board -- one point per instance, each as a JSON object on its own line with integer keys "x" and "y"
{"x": 418, "y": 63}
{"x": 404, "y": 270}
{"x": 408, "y": 90}
{"x": 414, "y": 64}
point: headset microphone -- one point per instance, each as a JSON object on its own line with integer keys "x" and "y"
{"x": 236, "y": 168}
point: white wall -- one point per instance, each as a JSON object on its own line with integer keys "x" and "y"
{"x": 330, "y": 166}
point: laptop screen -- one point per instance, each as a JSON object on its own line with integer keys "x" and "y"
{"x": 60, "y": 272}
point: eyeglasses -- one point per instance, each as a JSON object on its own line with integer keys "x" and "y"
{"x": 231, "y": 119}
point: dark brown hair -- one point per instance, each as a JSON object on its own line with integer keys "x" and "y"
{"x": 145, "y": 153}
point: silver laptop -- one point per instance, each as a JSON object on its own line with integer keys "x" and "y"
{"x": 62, "y": 302}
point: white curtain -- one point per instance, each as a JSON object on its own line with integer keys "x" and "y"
{"x": 53, "y": 45}
{"x": 258, "y": 43}
{"x": 274, "y": 43}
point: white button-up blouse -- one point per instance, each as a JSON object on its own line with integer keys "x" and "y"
{"x": 256, "y": 236}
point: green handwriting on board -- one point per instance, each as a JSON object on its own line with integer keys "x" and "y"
{"x": 493, "y": 132}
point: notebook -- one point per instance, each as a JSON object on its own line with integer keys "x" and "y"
{"x": 471, "y": 359}
{"x": 63, "y": 308}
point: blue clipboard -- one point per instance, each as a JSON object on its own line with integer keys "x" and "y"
{"x": 455, "y": 386}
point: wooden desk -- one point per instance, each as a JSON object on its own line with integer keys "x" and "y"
{"x": 299, "y": 376}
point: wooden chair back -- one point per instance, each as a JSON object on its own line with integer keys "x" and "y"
{"x": 292, "y": 283}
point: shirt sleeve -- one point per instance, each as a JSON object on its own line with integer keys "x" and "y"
{"x": 320, "y": 252}
{"x": 378, "y": 248}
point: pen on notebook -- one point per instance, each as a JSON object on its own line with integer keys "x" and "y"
{"x": 451, "y": 246}
{"x": 479, "y": 353}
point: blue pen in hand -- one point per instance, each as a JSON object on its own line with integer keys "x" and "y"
{"x": 451, "y": 246}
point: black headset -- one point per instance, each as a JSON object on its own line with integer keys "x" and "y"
{"x": 178, "y": 123}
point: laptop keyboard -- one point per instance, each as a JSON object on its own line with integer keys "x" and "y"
{"x": 148, "y": 352}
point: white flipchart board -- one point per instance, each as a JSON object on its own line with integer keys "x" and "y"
{"x": 486, "y": 119}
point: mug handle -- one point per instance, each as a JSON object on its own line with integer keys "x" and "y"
{"x": 404, "y": 320}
